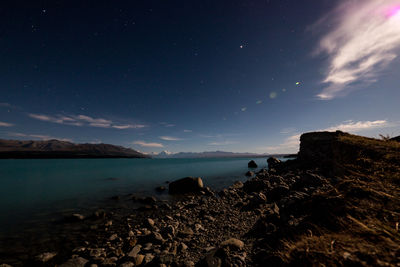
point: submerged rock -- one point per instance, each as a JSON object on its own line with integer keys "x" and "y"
{"x": 186, "y": 185}
{"x": 160, "y": 189}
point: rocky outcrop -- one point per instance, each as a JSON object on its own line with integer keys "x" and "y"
{"x": 186, "y": 185}
{"x": 273, "y": 162}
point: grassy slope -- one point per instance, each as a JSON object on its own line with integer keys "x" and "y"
{"x": 362, "y": 226}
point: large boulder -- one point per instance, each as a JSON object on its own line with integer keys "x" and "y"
{"x": 273, "y": 162}
{"x": 186, "y": 185}
{"x": 252, "y": 164}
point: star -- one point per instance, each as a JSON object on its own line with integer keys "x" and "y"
{"x": 241, "y": 46}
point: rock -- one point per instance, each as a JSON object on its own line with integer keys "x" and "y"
{"x": 237, "y": 185}
{"x": 115, "y": 198}
{"x": 210, "y": 260}
{"x": 153, "y": 237}
{"x": 278, "y": 192}
{"x": 256, "y": 200}
{"x": 99, "y": 214}
{"x": 44, "y": 257}
{"x": 249, "y": 173}
{"x": 208, "y": 217}
{"x": 149, "y": 200}
{"x": 223, "y": 193}
{"x": 255, "y": 185}
{"x": 189, "y": 264}
{"x": 109, "y": 261}
{"x": 76, "y": 217}
{"x": 134, "y": 252}
{"x": 150, "y": 222}
{"x": 185, "y": 232}
{"x": 148, "y": 257}
{"x": 233, "y": 243}
{"x": 198, "y": 227}
{"x": 75, "y": 262}
{"x": 207, "y": 191}
{"x": 113, "y": 237}
{"x": 79, "y": 249}
{"x": 182, "y": 247}
{"x": 309, "y": 179}
{"x": 148, "y": 246}
{"x": 169, "y": 230}
{"x": 157, "y": 238}
{"x": 127, "y": 264}
{"x": 96, "y": 252}
{"x": 139, "y": 259}
{"x": 273, "y": 162}
{"x": 252, "y": 164}
{"x": 186, "y": 185}
{"x": 160, "y": 189}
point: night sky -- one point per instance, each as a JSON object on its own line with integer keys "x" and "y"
{"x": 199, "y": 75}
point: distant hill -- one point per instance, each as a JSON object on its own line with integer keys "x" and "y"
{"x": 63, "y": 149}
{"x": 208, "y": 154}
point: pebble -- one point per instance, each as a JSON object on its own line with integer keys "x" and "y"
{"x": 44, "y": 257}
{"x": 133, "y": 253}
{"x": 75, "y": 262}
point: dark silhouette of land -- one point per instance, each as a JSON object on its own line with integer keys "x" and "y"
{"x": 62, "y": 149}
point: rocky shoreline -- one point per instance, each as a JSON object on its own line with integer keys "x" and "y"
{"x": 337, "y": 204}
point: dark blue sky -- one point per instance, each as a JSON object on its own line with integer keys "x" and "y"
{"x": 197, "y": 75}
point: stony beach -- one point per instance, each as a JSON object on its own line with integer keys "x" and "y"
{"x": 336, "y": 204}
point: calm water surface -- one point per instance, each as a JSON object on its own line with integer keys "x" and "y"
{"x": 34, "y": 189}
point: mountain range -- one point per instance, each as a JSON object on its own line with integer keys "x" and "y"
{"x": 207, "y": 154}
{"x": 63, "y": 149}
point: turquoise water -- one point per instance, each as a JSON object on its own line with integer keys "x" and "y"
{"x": 31, "y": 188}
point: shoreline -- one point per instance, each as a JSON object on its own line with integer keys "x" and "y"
{"x": 315, "y": 209}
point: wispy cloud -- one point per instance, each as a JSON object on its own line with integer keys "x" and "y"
{"x": 223, "y": 143}
{"x": 5, "y": 105}
{"x": 84, "y": 120}
{"x": 129, "y": 126}
{"x": 291, "y": 144}
{"x": 363, "y": 40}
{"x": 39, "y": 136}
{"x": 288, "y": 130}
{"x": 145, "y": 144}
{"x": 354, "y": 127}
{"x": 170, "y": 138}
{"x": 5, "y": 124}
{"x": 166, "y": 124}
{"x": 187, "y": 131}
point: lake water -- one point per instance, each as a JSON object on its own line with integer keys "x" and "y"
{"x": 36, "y": 189}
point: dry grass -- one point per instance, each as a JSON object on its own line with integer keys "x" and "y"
{"x": 368, "y": 233}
